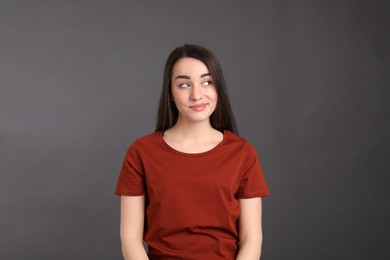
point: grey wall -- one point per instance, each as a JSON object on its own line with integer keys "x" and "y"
{"x": 309, "y": 82}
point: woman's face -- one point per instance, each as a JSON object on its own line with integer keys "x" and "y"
{"x": 193, "y": 90}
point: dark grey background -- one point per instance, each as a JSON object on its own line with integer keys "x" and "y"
{"x": 309, "y": 82}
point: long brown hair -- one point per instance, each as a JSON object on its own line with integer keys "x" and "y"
{"x": 222, "y": 118}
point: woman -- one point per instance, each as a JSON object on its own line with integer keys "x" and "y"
{"x": 192, "y": 189}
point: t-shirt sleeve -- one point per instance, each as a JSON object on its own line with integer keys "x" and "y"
{"x": 131, "y": 180}
{"x": 252, "y": 183}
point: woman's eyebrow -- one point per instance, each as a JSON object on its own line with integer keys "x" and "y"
{"x": 188, "y": 77}
{"x": 182, "y": 77}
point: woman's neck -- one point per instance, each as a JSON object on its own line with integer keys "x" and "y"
{"x": 193, "y": 137}
{"x": 192, "y": 130}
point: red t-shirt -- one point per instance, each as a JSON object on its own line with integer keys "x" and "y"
{"x": 192, "y": 203}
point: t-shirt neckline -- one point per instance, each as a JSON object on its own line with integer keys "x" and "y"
{"x": 212, "y": 150}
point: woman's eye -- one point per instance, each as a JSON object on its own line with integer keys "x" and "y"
{"x": 184, "y": 85}
{"x": 207, "y": 83}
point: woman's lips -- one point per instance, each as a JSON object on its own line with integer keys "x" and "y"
{"x": 199, "y": 107}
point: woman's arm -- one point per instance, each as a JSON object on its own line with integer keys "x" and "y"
{"x": 250, "y": 229}
{"x": 132, "y": 227}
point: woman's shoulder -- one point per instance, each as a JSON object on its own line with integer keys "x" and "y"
{"x": 232, "y": 137}
{"x": 149, "y": 137}
{"x": 238, "y": 141}
{"x": 147, "y": 141}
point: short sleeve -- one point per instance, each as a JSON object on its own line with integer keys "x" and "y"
{"x": 252, "y": 183}
{"x": 131, "y": 180}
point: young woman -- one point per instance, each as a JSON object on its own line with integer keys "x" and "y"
{"x": 192, "y": 189}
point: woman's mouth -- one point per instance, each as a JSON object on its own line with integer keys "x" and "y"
{"x": 199, "y": 107}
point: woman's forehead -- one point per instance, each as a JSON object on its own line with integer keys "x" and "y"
{"x": 189, "y": 66}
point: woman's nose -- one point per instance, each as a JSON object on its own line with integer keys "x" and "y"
{"x": 196, "y": 93}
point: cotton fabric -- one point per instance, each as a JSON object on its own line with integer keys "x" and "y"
{"x": 192, "y": 206}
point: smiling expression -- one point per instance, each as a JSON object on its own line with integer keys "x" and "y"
{"x": 193, "y": 90}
